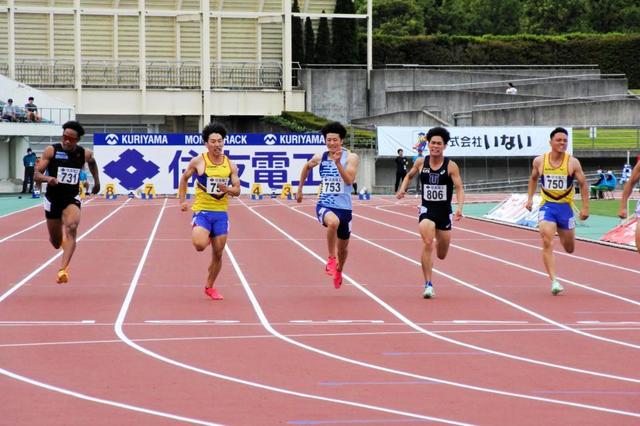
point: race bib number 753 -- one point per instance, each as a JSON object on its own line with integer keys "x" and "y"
{"x": 332, "y": 185}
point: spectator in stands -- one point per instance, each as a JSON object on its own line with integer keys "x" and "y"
{"x": 511, "y": 90}
{"x": 626, "y": 192}
{"x": 598, "y": 186}
{"x": 401, "y": 169}
{"x": 9, "y": 111}
{"x": 626, "y": 174}
{"x": 29, "y": 162}
{"x": 32, "y": 111}
{"x": 610, "y": 181}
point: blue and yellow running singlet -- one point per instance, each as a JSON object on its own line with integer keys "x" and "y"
{"x": 556, "y": 183}
{"x": 207, "y": 195}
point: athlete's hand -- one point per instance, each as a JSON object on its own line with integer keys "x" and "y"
{"x": 52, "y": 181}
{"x": 223, "y": 188}
{"x": 336, "y": 155}
{"x": 96, "y": 188}
{"x": 622, "y": 214}
{"x": 458, "y": 214}
{"x": 299, "y": 196}
{"x": 528, "y": 205}
{"x": 184, "y": 206}
{"x": 400, "y": 194}
{"x": 584, "y": 213}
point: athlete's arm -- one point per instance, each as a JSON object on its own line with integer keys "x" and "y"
{"x": 41, "y": 167}
{"x": 348, "y": 174}
{"x": 234, "y": 189}
{"x": 93, "y": 168}
{"x": 417, "y": 166}
{"x": 315, "y": 160}
{"x": 533, "y": 181}
{"x": 578, "y": 175}
{"x": 628, "y": 189}
{"x": 192, "y": 167}
{"x": 454, "y": 172}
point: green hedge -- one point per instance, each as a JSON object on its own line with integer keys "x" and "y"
{"x": 613, "y": 53}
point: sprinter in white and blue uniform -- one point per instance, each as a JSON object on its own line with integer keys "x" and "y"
{"x": 438, "y": 176}
{"x": 338, "y": 168}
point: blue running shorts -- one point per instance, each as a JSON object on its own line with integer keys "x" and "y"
{"x": 559, "y": 213}
{"x": 344, "y": 229}
{"x": 217, "y": 223}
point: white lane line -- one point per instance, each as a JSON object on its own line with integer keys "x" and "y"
{"x": 78, "y": 394}
{"x": 83, "y": 322}
{"x": 273, "y": 331}
{"x": 101, "y": 400}
{"x": 415, "y": 326}
{"x": 27, "y": 229}
{"x": 499, "y": 298}
{"x": 497, "y": 259}
{"x": 537, "y": 247}
{"x": 122, "y": 336}
{"x": 57, "y": 255}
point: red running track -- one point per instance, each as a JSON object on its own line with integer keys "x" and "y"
{"x": 133, "y": 340}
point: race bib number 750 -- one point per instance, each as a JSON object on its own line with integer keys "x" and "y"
{"x": 555, "y": 182}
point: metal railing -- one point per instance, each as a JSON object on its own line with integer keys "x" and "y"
{"x": 45, "y": 72}
{"x": 246, "y": 75}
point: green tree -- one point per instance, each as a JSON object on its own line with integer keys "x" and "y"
{"x": 323, "y": 42}
{"x": 297, "y": 51}
{"x": 345, "y": 47}
{"x": 397, "y": 17}
{"x": 493, "y": 17}
{"x": 309, "y": 42}
{"x": 554, "y": 16}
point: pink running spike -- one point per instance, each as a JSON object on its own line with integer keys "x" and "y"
{"x": 213, "y": 293}
{"x": 337, "y": 279}
{"x": 332, "y": 263}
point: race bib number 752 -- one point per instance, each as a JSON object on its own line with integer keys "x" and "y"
{"x": 213, "y": 184}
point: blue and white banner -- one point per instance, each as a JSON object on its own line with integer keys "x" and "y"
{"x": 470, "y": 141}
{"x": 134, "y": 159}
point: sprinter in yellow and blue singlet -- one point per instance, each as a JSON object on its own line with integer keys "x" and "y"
{"x": 216, "y": 179}
{"x": 556, "y": 172}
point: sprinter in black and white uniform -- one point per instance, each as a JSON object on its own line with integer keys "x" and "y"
{"x": 438, "y": 177}
{"x": 63, "y": 163}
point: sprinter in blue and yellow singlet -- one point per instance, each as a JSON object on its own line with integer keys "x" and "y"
{"x": 338, "y": 168}
{"x": 216, "y": 179}
{"x": 556, "y": 171}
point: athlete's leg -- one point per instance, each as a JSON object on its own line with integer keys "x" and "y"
{"x": 217, "y": 246}
{"x": 332, "y": 222}
{"x": 343, "y": 252}
{"x": 54, "y": 226}
{"x": 428, "y": 233}
{"x": 200, "y": 237}
{"x": 70, "y": 222}
{"x": 443, "y": 239}
{"x": 638, "y": 237}
{"x": 568, "y": 239}
{"x": 547, "y": 232}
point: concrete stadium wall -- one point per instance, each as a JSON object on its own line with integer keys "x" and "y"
{"x": 612, "y": 112}
{"x": 402, "y": 118}
{"x": 445, "y": 103}
{"x": 339, "y": 94}
{"x": 566, "y": 88}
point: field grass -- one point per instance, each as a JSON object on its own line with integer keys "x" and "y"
{"x": 602, "y": 207}
{"x": 607, "y": 139}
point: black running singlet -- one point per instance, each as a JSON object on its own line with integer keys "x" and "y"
{"x": 65, "y": 166}
{"x": 436, "y": 187}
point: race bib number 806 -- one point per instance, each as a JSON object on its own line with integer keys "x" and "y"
{"x": 434, "y": 192}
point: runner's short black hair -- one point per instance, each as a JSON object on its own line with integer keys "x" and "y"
{"x": 213, "y": 128}
{"x": 334, "y": 127}
{"x": 74, "y": 125}
{"x": 558, "y": 130}
{"x": 439, "y": 131}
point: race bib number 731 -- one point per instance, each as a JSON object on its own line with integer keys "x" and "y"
{"x": 68, "y": 175}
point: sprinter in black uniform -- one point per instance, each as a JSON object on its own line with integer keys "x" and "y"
{"x": 63, "y": 163}
{"x": 438, "y": 176}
